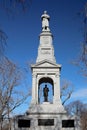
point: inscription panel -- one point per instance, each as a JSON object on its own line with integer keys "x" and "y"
{"x": 46, "y": 50}
{"x": 23, "y": 123}
{"x": 45, "y": 122}
{"x": 46, "y": 39}
{"x": 67, "y": 123}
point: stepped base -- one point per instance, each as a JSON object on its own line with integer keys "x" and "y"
{"x": 47, "y": 107}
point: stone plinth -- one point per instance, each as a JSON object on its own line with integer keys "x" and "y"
{"x": 47, "y": 107}
{"x": 49, "y": 121}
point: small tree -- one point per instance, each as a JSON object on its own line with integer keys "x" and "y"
{"x": 11, "y": 96}
{"x": 78, "y": 109}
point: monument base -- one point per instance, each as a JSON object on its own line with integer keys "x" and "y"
{"x": 46, "y": 117}
{"x": 38, "y": 121}
{"x": 45, "y": 122}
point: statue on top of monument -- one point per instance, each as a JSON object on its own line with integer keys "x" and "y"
{"x": 45, "y": 21}
{"x": 45, "y": 93}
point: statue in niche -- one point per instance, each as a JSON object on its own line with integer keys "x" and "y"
{"x": 45, "y": 93}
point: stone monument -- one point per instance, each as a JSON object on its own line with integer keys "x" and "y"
{"x": 43, "y": 113}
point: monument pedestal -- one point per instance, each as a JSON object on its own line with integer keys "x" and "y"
{"x": 50, "y": 121}
{"x": 47, "y": 116}
{"x": 47, "y": 107}
{"x": 45, "y": 121}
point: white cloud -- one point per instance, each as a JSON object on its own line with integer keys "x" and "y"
{"x": 81, "y": 93}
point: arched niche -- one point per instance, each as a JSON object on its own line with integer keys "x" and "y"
{"x": 41, "y": 84}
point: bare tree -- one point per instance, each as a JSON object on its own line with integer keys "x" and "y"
{"x": 66, "y": 91}
{"x": 82, "y": 59}
{"x": 75, "y": 108}
{"x": 11, "y": 94}
{"x": 11, "y": 76}
{"x": 84, "y": 120}
{"x": 78, "y": 109}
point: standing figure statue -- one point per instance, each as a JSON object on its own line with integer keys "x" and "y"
{"x": 45, "y": 21}
{"x": 45, "y": 93}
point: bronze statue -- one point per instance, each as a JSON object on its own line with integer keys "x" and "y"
{"x": 45, "y": 92}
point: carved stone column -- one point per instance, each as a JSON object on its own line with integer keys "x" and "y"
{"x": 56, "y": 88}
{"x": 34, "y": 88}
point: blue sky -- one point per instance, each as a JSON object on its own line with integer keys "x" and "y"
{"x": 66, "y": 26}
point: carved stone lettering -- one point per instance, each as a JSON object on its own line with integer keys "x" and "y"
{"x": 45, "y": 122}
{"x": 67, "y": 123}
{"x": 23, "y": 123}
